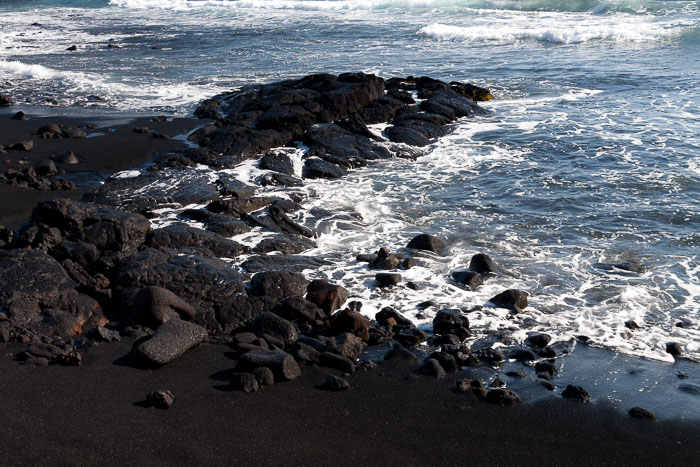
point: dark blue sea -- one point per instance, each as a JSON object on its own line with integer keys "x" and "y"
{"x": 588, "y": 157}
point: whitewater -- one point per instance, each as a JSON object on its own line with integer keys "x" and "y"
{"x": 589, "y": 155}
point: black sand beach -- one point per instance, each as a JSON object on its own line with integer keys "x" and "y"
{"x": 91, "y": 415}
{"x": 95, "y": 413}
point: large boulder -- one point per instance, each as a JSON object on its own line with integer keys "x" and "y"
{"x": 172, "y": 339}
{"x": 154, "y": 306}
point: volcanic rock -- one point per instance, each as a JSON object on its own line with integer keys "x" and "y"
{"x": 384, "y": 260}
{"x": 512, "y": 299}
{"x": 160, "y": 399}
{"x": 273, "y": 325}
{"x": 278, "y": 285}
{"x": 282, "y": 365}
{"x": 448, "y": 320}
{"x": 502, "y": 397}
{"x": 327, "y": 296}
{"x": 576, "y": 392}
{"x": 334, "y": 383}
{"x": 246, "y": 382}
{"x": 471, "y": 279}
{"x": 427, "y": 242}
{"x": 386, "y": 279}
{"x": 171, "y": 339}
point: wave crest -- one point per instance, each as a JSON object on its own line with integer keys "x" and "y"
{"x": 572, "y": 33}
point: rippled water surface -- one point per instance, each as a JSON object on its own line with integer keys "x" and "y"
{"x": 588, "y": 156}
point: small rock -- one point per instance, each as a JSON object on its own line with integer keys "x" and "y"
{"x": 548, "y": 385}
{"x": 283, "y": 365}
{"x": 502, "y": 397}
{"x": 160, "y": 399}
{"x": 643, "y": 414}
{"x": 264, "y": 376}
{"x": 522, "y": 355}
{"x": 538, "y": 339}
{"x": 546, "y": 367}
{"x": 245, "y": 382}
{"x": 273, "y": 325}
{"x": 512, "y": 299}
{"x": 334, "y": 383}
{"x": 101, "y": 333}
{"x": 427, "y": 242}
{"x": 674, "y": 348}
{"x": 468, "y": 278}
{"x": 384, "y": 260}
{"x": 350, "y": 321}
{"x": 483, "y": 264}
{"x": 400, "y": 352}
{"x": 576, "y": 392}
{"x": 5, "y": 100}
{"x": 18, "y": 116}
{"x": 337, "y": 362}
{"x": 632, "y": 325}
{"x": 45, "y": 168}
{"x": 22, "y": 146}
{"x": 387, "y": 279}
{"x": 387, "y": 313}
{"x": 432, "y": 367}
{"x": 448, "y": 320}
{"x": 68, "y": 158}
{"x": 408, "y": 263}
{"x": 72, "y": 48}
{"x": 327, "y": 296}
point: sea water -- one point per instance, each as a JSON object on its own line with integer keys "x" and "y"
{"x": 588, "y": 156}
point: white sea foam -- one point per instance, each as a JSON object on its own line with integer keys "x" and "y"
{"x": 554, "y": 29}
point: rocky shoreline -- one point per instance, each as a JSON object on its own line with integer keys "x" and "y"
{"x": 81, "y": 273}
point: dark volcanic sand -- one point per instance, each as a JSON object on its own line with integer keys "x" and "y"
{"x": 91, "y": 415}
{"x": 111, "y": 148}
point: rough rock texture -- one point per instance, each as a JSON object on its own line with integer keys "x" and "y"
{"x": 327, "y": 296}
{"x": 172, "y": 339}
{"x": 427, "y": 242}
{"x": 512, "y": 299}
{"x": 334, "y": 383}
{"x": 272, "y": 325}
{"x": 282, "y": 365}
{"x": 576, "y": 392}
{"x": 278, "y": 284}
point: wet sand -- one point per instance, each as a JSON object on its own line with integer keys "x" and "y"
{"x": 93, "y": 415}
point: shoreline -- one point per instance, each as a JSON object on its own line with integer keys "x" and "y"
{"x": 388, "y": 416}
{"x": 554, "y": 416}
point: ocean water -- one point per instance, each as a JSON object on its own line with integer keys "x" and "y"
{"x": 589, "y": 155}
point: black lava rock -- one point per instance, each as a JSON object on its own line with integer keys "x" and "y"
{"x": 512, "y": 299}
{"x": 471, "y": 279}
{"x": 483, "y": 264}
{"x": 642, "y": 414}
{"x": 386, "y": 279}
{"x": 576, "y": 392}
{"x": 334, "y": 383}
{"x": 674, "y": 348}
{"x": 427, "y": 242}
{"x": 502, "y": 397}
{"x": 246, "y": 382}
{"x": 538, "y": 339}
{"x": 160, "y": 399}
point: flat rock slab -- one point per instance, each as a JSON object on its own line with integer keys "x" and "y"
{"x": 172, "y": 339}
